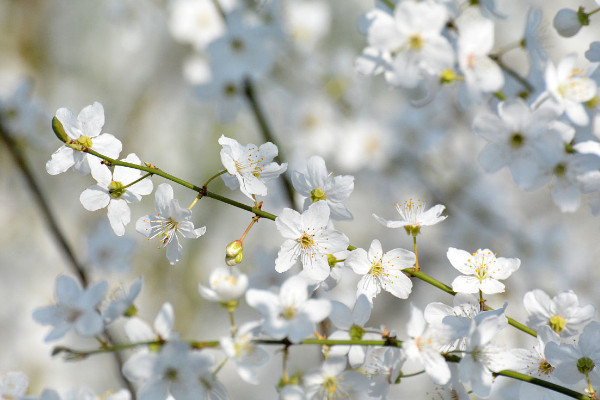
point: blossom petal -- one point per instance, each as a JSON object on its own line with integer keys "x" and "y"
{"x": 466, "y": 284}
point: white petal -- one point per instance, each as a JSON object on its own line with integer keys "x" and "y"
{"x": 465, "y": 284}
{"x": 94, "y": 198}
{"x": 119, "y": 215}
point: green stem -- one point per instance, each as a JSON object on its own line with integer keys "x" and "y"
{"x": 213, "y": 177}
{"x": 417, "y": 268}
{"x": 542, "y": 383}
{"x": 593, "y": 12}
{"x": 232, "y": 323}
{"x": 137, "y": 180}
{"x": 203, "y": 192}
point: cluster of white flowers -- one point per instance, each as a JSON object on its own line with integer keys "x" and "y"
{"x": 320, "y": 289}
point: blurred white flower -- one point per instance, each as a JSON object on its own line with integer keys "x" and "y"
{"x": 425, "y": 344}
{"x": 351, "y": 325}
{"x": 244, "y": 352}
{"x": 226, "y": 284}
{"x": 75, "y": 308}
{"x": 108, "y": 252}
{"x": 574, "y": 362}
{"x": 481, "y": 358}
{"x": 570, "y": 87}
{"x": 481, "y": 74}
{"x": 197, "y": 22}
{"x": 122, "y": 302}
{"x": 291, "y": 313}
{"x": 13, "y": 385}
{"x": 332, "y": 381}
{"x": 413, "y": 40}
{"x": 562, "y": 313}
{"x": 138, "y": 330}
{"x": 176, "y": 370}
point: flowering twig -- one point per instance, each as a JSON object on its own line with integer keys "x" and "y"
{"x": 417, "y": 274}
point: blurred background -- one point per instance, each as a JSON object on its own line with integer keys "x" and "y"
{"x": 145, "y": 61}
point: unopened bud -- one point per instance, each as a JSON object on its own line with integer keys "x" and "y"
{"x": 234, "y": 253}
{"x": 231, "y": 261}
{"x": 567, "y": 22}
{"x": 59, "y": 130}
{"x": 234, "y": 248}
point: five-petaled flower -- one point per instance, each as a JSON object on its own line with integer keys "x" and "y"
{"x": 485, "y": 268}
{"x": 310, "y": 239}
{"x": 249, "y": 166}
{"x": 83, "y": 131}
{"x": 382, "y": 270}
{"x": 413, "y": 216}
{"x": 170, "y": 220}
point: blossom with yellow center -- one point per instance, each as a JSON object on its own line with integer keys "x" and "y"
{"x": 482, "y": 270}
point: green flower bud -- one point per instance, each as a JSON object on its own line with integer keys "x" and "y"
{"x": 234, "y": 248}
{"x": 59, "y": 130}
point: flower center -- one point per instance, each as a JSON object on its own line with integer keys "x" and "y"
{"x": 578, "y": 87}
{"x": 415, "y": 42}
{"x": 171, "y": 374}
{"x": 306, "y": 241}
{"x": 516, "y": 140}
{"x": 557, "y": 323}
{"x": 85, "y": 141}
{"x": 545, "y": 368}
{"x": 229, "y": 89}
{"x": 237, "y": 44}
{"x": 482, "y": 265}
{"x": 585, "y": 365}
{"x": 376, "y": 269}
{"x": 317, "y": 194}
{"x": 560, "y": 169}
{"x": 356, "y": 332}
{"x": 447, "y": 76}
{"x": 288, "y": 313}
{"x": 116, "y": 190}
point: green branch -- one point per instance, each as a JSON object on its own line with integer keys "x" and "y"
{"x": 542, "y": 383}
